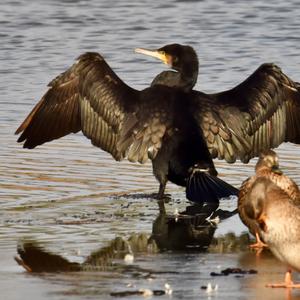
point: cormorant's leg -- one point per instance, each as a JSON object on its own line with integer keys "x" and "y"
{"x": 160, "y": 198}
{"x": 161, "y": 191}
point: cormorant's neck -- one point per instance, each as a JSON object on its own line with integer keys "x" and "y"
{"x": 188, "y": 69}
{"x": 189, "y": 76}
{"x": 184, "y": 78}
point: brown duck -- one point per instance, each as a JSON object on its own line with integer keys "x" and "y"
{"x": 277, "y": 220}
{"x": 267, "y": 167}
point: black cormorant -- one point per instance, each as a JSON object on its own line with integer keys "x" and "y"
{"x": 180, "y": 129}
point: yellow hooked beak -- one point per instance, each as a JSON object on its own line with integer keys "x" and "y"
{"x": 165, "y": 58}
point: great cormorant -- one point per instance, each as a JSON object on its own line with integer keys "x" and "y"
{"x": 180, "y": 129}
{"x": 276, "y": 216}
{"x": 266, "y": 167}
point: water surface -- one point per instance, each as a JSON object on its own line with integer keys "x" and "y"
{"x": 68, "y": 194}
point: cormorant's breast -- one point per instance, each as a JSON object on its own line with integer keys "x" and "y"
{"x": 187, "y": 144}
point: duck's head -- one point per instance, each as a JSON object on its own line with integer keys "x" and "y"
{"x": 268, "y": 160}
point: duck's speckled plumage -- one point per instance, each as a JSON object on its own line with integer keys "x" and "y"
{"x": 269, "y": 206}
{"x": 263, "y": 169}
{"x": 282, "y": 224}
{"x": 278, "y": 220}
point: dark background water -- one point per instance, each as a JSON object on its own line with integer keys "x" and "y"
{"x": 69, "y": 180}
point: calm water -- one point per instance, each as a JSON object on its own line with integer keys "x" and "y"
{"x": 45, "y": 191}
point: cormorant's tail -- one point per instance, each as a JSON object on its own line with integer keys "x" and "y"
{"x": 202, "y": 187}
{"x": 35, "y": 259}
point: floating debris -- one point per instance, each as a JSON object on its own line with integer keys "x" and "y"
{"x": 237, "y": 271}
{"x": 168, "y": 289}
{"x": 141, "y": 292}
{"x": 146, "y": 292}
{"x": 210, "y": 289}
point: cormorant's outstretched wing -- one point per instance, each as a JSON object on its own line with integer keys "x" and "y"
{"x": 259, "y": 114}
{"x": 56, "y": 114}
{"x": 90, "y": 97}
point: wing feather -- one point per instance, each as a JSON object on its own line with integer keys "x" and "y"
{"x": 260, "y": 113}
{"x": 90, "y": 97}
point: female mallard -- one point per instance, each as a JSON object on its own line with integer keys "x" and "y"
{"x": 277, "y": 219}
{"x": 266, "y": 167}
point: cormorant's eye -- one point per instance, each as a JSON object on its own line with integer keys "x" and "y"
{"x": 163, "y": 53}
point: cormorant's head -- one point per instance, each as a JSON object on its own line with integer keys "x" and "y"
{"x": 178, "y": 57}
{"x": 268, "y": 160}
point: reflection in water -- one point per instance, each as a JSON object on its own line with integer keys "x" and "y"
{"x": 36, "y": 259}
{"x": 270, "y": 269}
{"x": 193, "y": 231}
{"x": 177, "y": 232}
{"x": 183, "y": 232}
